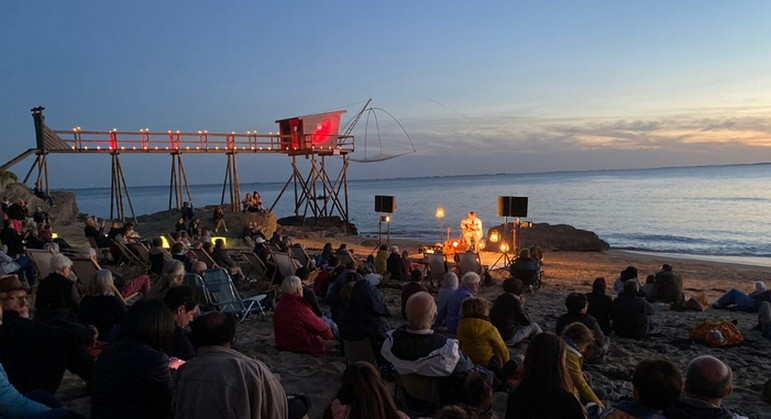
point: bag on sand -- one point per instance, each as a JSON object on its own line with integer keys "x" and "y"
{"x": 717, "y": 333}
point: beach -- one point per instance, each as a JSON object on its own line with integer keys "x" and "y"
{"x": 318, "y": 377}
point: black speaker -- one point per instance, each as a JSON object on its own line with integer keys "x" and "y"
{"x": 512, "y": 206}
{"x": 384, "y": 203}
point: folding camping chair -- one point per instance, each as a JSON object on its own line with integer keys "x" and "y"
{"x": 469, "y": 262}
{"x": 194, "y": 280}
{"x": 225, "y": 297}
{"x": 437, "y": 267}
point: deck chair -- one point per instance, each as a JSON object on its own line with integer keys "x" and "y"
{"x": 42, "y": 261}
{"x": 469, "y": 262}
{"x": 302, "y": 257}
{"x": 201, "y": 255}
{"x": 346, "y": 258}
{"x": 359, "y": 350}
{"x": 258, "y": 267}
{"x": 225, "y": 297}
{"x": 142, "y": 253}
{"x": 285, "y": 263}
{"x": 85, "y": 268}
{"x": 196, "y": 282}
{"x": 437, "y": 267}
{"x": 129, "y": 258}
{"x": 104, "y": 251}
{"x": 421, "y": 394}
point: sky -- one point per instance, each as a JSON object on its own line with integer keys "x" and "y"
{"x": 480, "y": 87}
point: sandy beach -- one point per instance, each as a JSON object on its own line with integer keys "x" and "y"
{"x": 565, "y": 272}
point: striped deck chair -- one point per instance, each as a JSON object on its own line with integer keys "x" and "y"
{"x": 85, "y": 269}
{"x": 286, "y": 264}
{"x": 42, "y": 261}
{"x": 258, "y": 267}
{"x": 469, "y": 262}
{"x": 437, "y": 267}
{"x": 201, "y": 255}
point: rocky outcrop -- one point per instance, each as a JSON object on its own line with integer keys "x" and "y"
{"x": 65, "y": 211}
{"x": 555, "y": 237}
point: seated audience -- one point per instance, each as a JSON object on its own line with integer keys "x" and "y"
{"x": 179, "y": 253}
{"x": 173, "y": 275}
{"x": 525, "y": 269}
{"x": 96, "y": 232}
{"x": 415, "y": 349}
{"x": 295, "y": 327}
{"x": 628, "y": 274}
{"x": 509, "y": 316}
{"x": 36, "y": 353}
{"x": 381, "y": 259}
{"x": 364, "y": 314}
{"x": 449, "y": 286}
{"x": 411, "y": 288}
{"x": 577, "y": 306}
{"x": 648, "y": 287}
{"x": 578, "y": 340}
{"x": 362, "y": 394}
{"x": 221, "y": 382}
{"x": 668, "y": 287}
{"x": 100, "y": 307}
{"x": 450, "y": 312}
{"x": 408, "y": 264}
{"x": 308, "y": 294}
{"x": 478, "y": 338}
{"x": 132, "y": 378}
{"x": 656, "y": 384}
{"x": 158, "y": 255}
{"x": 631, "y": 314}
{"x": 546, "y": 389}
{"x": 744, "y": 302}
{"x": 181, "y": 225}
{"x": 183, "y": 303}
{"x": 476, "y": 395}
{"x": 707, "y": 382}
{"x": 57, "y": 297}
{"x": 193, "y": 228}
{"x": 221, "y": 257}
{"x": 395, "y": 265}
{"x": 12, "y": 239}
{"x": 127, "y": 287}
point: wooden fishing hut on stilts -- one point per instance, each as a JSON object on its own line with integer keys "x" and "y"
{"x": 314, "y": 137}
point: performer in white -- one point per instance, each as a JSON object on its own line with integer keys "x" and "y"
{"x": 471, "y": 227}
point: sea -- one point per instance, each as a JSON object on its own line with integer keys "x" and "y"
{"x": 708, "y": 212}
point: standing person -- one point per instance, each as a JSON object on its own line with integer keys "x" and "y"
{"x": 362, "y": 394}
{"x": 187, "y": 211}
{"x": 17, "y": 213}
{"x": 509, "y": 316}
{"x": 218, "y": 218}
{"x": 223, "y": 383}
{"x": 471, "y": 227}
{"x": 546, "y": 388}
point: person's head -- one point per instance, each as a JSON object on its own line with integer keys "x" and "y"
{"x": 363, "y": 390}
{"x": 177, "y": 248}
{"x": 524, "y": 254}
{"x": 513, "y": 286}
{"x": 87, "y": 253}
{"x": 219, "y": 243}
{"x": 475, "y": 307}
{"x": 416, "y": 275}
{"x": 199, "y": 267}
{"x": 631, "y": 287}
{"x": 149, "y": 321}
{"x": 90, "y": 221}
{"x": 471, "y": 281}
{"x": 650, "y": 279}
{"x": 421, "y": 311}
{"x": 208, "y": 247}
{"x": 14, "y": 295}
{"x": 456, "y": 411}
{"x": 450, "y": 280}
{"x": 628, "y": 273}
{"x": 303, "y": 273}
{"x": 61, "y": 264}
{"x": 53, "y": 247}
{"x": 477, "y": 392}
{"x": 157, "y": 242}
{"x": 183, "y": 303}
{"x": 708, "y": 378}
{"x": 580, "y": 335}
{"x": 576, "y": 303}
{"x": 173, "y": 273}
{"x": 214, "y": 328}
{"x": 292, "y": 285}
{"x": 666, "y": 267}
{"x": 180, "y": 220}
{"x": 472, "y": 213}
{"x": 657, "y": 383}
{"x": 760, "y": 286}
{"x": 395, "y": 249}
{"x": 545, "y": 364}
{"x": 383, "y": 247}
{"x": 204, "y": 231}
{"x": 342, "y": 246}
{"x": 102, "y": 283}
{"x": 405, "y": 254}
{"x": 328, "y": 246}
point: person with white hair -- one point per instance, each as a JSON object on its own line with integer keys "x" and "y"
{"x": 450, "y": 312}
{"x": 295, "y": 326}
{"x": 57, "y": 297}
{"x": 173, "y": 275}
{"x": 100, "y": 306}
{"x": 449, "y": 286}
{"x": 395, "y": 265}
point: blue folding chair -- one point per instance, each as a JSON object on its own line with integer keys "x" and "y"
{"x": 204, "y": 299}
{"x": 225, "y": 297}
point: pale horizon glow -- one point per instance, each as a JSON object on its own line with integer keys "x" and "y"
{"x": 494, "y": 87}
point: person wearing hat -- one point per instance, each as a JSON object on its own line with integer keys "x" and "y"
{"x": 735, "y": 299}
{"x": 35, "y": 353}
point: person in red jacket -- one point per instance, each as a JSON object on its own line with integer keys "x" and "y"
{"x": 295, "y": 326}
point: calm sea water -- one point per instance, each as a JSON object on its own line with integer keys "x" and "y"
{"x": 716, "y": 210}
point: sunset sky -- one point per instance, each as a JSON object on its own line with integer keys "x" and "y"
{"x": 481, "y": 87}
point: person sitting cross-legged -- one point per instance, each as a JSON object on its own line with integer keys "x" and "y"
{"x": 509, "y": 316}
{"x": 224, "y": 383}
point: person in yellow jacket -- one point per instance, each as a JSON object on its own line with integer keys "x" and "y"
{"x": 578, "y": 339}
{"x": 478, "y": 338}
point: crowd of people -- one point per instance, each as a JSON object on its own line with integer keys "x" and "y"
{"x": 171, "y": 354}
